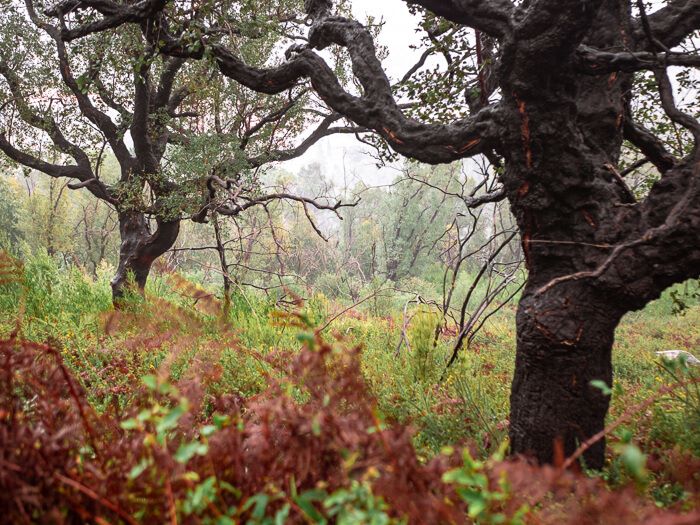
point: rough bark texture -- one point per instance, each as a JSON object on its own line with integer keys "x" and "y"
{"x": 565, "y": 340}
{"x": 563, "y": 129}
{"x": 139, "y": 248}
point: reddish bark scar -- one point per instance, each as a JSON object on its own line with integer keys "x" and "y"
{"x": 469, "y": 145}
{"x": 577, "y": 340}
{"x": 525, "y": 130}
{"x": 392, "y": 136}
{"x": 524, "y": 190}
{"x": 589, "y": 219}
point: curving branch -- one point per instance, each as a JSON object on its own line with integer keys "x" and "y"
{"x": 374, "y": 109}
{"x": 165, "y": 97}
{"x": 114, "y": 14}
{"x": 45, "y": 123}
{"x": 324, "y": 129}
{"x": 271, "y": 118}
{"x": 85, "y": 176}
{"x": 141, "y": 130}
{"x": 648, "y": 143}
{"x": 492, "y": 17}
{"x": 87, "y": 108}
{"x": 236, "y": 209}
{"x": 676, "y": 115}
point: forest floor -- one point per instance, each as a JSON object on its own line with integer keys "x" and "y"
{"x": 177, "y": 336}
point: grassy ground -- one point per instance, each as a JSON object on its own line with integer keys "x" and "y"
{"x": 177, "y": 332}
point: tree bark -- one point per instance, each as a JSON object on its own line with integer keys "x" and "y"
{"x": 221, "y": 250}
{"x": 565, "y": 339}
{"x": 139, "y": 249}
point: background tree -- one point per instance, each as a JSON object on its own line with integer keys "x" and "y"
{"x": 557, "y": 108}
{"x": 10, "y": 216}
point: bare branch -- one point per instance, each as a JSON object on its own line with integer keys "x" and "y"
{"x": 647, "y": 143}
{"x": 595, "y": 61}
{"x": 264, "y": 199}
{"x": 670, "y": 108}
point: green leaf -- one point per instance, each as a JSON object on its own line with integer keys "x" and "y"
{"x": 170, "y": 420}
{"x": 634, "y": 461}
{"x": 139, "y": 469}
{"x": 458, "y": 476}
{"x": 225, "y": 485}
{"x": 602, "y": 386}
{"x": 130, "y": 424}
{"x": 259, "y": 501}
{"x": 208, "y": 430}
{"x": 191, "y": 476}
{"x": 220, "y": 421}
{"x": 316, "y": 426}
{"x": 150, "y": 381}
{"x": 282, "y": 515}
{"x": 187, "y": 451}
{"x": 475, "y": 500}
{"x": 305, "y": 503}
{"x": 307, "y": 339}
{"x": 201, "y": 496}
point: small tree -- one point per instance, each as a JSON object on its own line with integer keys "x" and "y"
{"x": 188, "y": 141}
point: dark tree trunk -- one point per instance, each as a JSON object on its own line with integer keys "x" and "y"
{"x": 221, "y": 250}
{"x": 564, "y": 343}
{"x": 139, "y": 249}
{"x": 563, "y": 141}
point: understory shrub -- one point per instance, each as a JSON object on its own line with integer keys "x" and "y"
{"x": 311, "y": 448}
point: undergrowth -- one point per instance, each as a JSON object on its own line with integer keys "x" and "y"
{"x": 166, "y": 412}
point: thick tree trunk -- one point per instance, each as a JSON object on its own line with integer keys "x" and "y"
{"x": 563, "y": 145}
{"x": 139, "y": 249}
{"x": 565, "y": 339}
